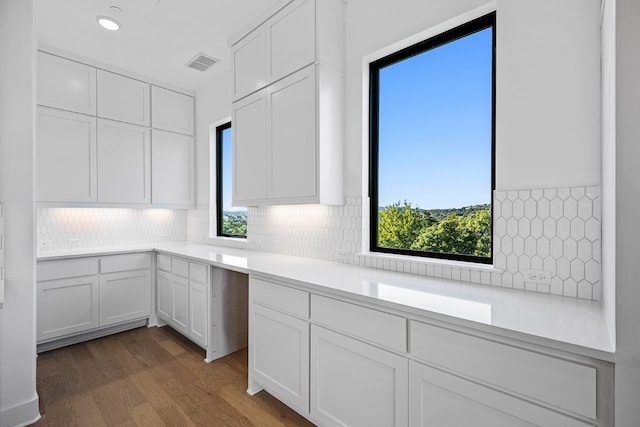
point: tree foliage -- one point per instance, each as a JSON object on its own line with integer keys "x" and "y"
{"x": 234, "y": 223}
{"x": 406, "y": 227}
{"x": 399, "y": 226}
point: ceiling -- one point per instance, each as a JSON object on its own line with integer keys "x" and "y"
{"x": 157, "y": 37}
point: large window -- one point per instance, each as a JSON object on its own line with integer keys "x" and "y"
{"x": 230, "y": 221}
{"x": 432, "y": 117}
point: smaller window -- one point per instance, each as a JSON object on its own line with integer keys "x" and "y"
{"x": 230, "y": 221}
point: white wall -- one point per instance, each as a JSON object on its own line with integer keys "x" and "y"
{"x": 627, "y": 373}
{"x": 609, "y": 164}
{"x": 548, "y": 83}
{"x": 18, "y": 398}
{"x": 213, "y": 104}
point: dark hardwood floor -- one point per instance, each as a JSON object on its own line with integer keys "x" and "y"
{"x": 151, "y": 377}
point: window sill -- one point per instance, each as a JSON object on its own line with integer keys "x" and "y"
{"x": 448, "y": 269}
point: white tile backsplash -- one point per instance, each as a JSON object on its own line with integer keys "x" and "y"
{"x": 555, "y": 229}
{"x": 63, "y": 228}
{"x": 552, "y": 229}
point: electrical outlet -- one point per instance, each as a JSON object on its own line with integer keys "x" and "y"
{"x": 73, "y": 243}
{"x": 537, "y": 276}
{"x": 44, "y": 244}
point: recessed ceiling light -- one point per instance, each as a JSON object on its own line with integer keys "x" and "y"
{"x": 108, "y": 23}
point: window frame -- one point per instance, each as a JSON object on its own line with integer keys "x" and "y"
{"x": 470, "y": 27}
{"x": 219, "y": 182}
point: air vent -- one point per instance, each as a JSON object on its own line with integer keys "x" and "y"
{"x": 202, "y": 62}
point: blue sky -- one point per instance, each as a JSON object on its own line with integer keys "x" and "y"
{"x": 226, "y": 172}
{"x": 435, "y": 126}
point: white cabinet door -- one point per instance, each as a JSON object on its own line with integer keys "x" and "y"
{"x": 279, "y": 355}
{"x": 67, "y": 306}
{"x": 250, "y": 150}
{"x": 249, "y": 58}
{"x": 124, "y": 296}
{"x": 198, "y": 313}
{"x": 356, "y": 384}
{"x": 65, "y": 157}
{"x": 292, "y": 150}
{"x": 124, "y": 163}
{"x": 444, "y": 400}
{"x": 180, "y": 307}
{"x": 66, "y": 84}
{"x": 291, "y": 39}
{"x": 171, "y": 111}
{"x": 172, "y": 168}
{"x": 164, "y": 295}
{"x": 122, "y": 98}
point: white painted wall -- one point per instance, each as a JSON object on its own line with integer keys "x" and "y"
{"x": 609, "y": 165}
{"x": 627, "y": 373}
{"x": 548, "y": 83}
{"x": 18, "y": 398}
{"x": 213, "y": 104}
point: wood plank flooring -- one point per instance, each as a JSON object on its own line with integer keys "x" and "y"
{"x": 151, "y": 377}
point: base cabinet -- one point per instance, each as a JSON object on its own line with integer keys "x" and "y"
{"x": 444, "y": 400}
{"x": 372, "y": 366}
{"x": 67, "y": 306}
{"x": 183, "y": 297}
{"x": 198, "y": 312}
{"x": 279, "y": 355}
{"x": 124, "y": 296}
{"x": 89, "y": 296}
{"x": 356, "y": 384}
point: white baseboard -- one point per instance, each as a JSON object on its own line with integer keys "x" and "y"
{"x": 20, "y": 415}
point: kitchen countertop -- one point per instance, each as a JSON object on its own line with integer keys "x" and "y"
{"x": 558, "y": 322}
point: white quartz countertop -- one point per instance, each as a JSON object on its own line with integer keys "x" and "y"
{"x": 558, "y": 322}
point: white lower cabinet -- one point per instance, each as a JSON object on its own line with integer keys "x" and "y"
{"x": 180, "y": 304}
{"x": 183, "y": 297}
{"x": 356, "y": 384}
{"x": 279, "y": 355}
{"x": 347, "y": 363}
{"x": 198, "y": 312}
{"x": 91, "y": 295}
{"x": 164, "y": 295}
{"x": 67, "y": 306}
{"x": 440, "y": 399}
{"x": 124, "y": 296}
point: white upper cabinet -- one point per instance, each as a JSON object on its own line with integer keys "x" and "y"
{"x": 65, "y": 157}
{"x": 81, "y": 159}
{"x": 172, "y": 174}
{"x": 66, "y": 84}
{"x": 301, "y": 107}
{"x": 250, "y": 150}
{"x": 124, "y": 99}
{"x": 302, "y": 33}
{"x": 124, "y": 163}
{"x": 291, "y": 39}
{"x": 292, "y": 156}
{"x": 171, "y": 111}
{"x": 249, "y": 57}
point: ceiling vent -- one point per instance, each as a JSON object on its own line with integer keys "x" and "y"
{"x": 202, "y": 62}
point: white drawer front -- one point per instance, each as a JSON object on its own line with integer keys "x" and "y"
{"x": 164, "y": 262}
{"x": 361, "y": 322}
{"x": 283, "y": 298}
{"x": 558, "y": 382}
{"x": 113, "y": 263}
{"x": 58, "y": 269}
{"x": 199, "y": 273}
{"x": 180, "y": 267}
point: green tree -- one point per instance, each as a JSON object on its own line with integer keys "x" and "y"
{"x": 400, "y": 225}
{"x": 470, "y": 235}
